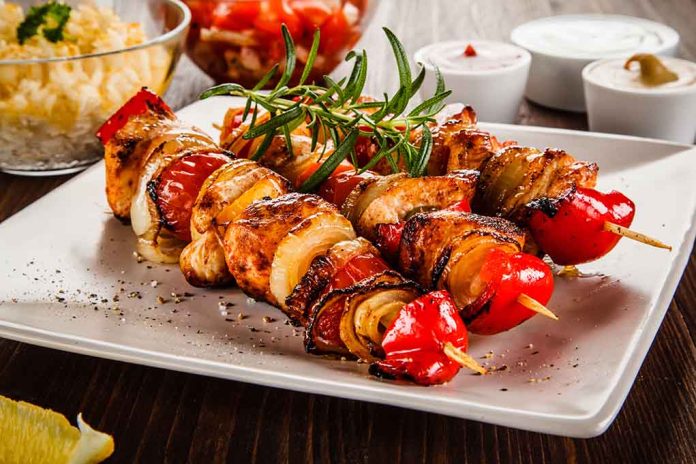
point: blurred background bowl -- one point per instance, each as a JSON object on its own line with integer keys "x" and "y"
{"x": 240, "y": 40}
{"x": 50, "y": 108}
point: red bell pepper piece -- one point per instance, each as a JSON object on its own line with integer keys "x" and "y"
{"x": 508, "y": 275}
{"x": 572, "y": 230}
{"x": 417, "y": 342}
{"x": 142, "y": 101}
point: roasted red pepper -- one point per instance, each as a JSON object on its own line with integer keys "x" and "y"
{"x": 417, "y": 342}
{"x": 571, "y": 230}
{"x": 389, "y": 235}
{"x": 508, "y": 276}
{"x": 142, "y": 101}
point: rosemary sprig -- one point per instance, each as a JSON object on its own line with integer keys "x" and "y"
{"x": 334, "y": 111}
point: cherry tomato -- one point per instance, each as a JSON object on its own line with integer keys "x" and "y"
{"x": 571, "y": 230}
{"x": 327, "y": 328}
{"x": 508, "y": 276}
{"x": 313, "y": 13}
{"x": 337, "y": 187}
{"x": 143, "y": 100}
{"x": 414, "y": 342}
{"x": 177, "y": 187}
{"x": 235, "y": 15}
{"x": 358, "y": 268}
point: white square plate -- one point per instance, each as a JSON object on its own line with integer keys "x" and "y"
{"x": 65, "y": 258}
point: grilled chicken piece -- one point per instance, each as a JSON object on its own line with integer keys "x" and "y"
{"x": 153, "y": 135}
{"x": 352, "y": 320}
{"x": 273, "y": 242}
{"x": 390, "y": 199}
{"x": 515, "y": 176}
{"x": 224, "y": 196}
{"x": 321, "y": 271}
{"x": 463, "y": 149}
{"x": 445, "y": 250}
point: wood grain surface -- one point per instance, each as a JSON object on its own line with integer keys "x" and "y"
{"x": 162, "y": 416}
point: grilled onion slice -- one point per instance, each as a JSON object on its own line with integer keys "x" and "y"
{"x": 369, "y": 312}
{"x": 295, "y": 252}
{"x": 203, "y": 262}
{"x": 321, "y": 271}
{"x": 364, "y": 194}
{"x": 461, "y": 275}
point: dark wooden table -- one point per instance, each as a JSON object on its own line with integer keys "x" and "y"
{"x": 163, "y": 416}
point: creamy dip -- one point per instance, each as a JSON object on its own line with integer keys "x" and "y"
{"x": 489, "y": 56}
{"x": 612, "y": 74}
{"x": 594, "y": 36}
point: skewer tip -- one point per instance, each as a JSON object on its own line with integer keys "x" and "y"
{"x": 532, "y": 304}
{"x": 637, "y": 236}
{"x": 455, "y": 354}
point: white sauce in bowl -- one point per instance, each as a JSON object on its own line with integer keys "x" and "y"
{"x": 612, "y": 74}
{"x": 594, "y": 36}
{"x": 450, "y": 57}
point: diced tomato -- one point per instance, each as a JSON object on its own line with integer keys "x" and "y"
{"x": 313, "y": 13}
{"x": 278, "y": 12}
{"x": 336, "y": 33}
{"x": 201, "y": 12}
{"x": 235, "y": 15}
{"x": 358, "y": 268}
{"x": 177, "y": 187}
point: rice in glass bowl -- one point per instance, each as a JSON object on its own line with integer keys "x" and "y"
{"x": 54, "y": 94}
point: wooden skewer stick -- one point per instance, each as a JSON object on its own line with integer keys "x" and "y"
{"x": 637, "y": 236}
{"x": 530, "y": 303}
{"x": 455, "y": 354}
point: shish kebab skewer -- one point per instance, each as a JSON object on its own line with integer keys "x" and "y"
{"x": 445, "y": 247}
{"x": 569, "y": 220}
{"x": 160, "y": 172}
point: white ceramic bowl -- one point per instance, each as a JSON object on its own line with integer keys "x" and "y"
{"x": 659, "y": 112}
{"x": 561, "y": 46}
{"x": 495, "y": 94}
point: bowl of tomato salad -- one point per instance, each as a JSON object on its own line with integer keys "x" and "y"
{"x": 240, "y": 40}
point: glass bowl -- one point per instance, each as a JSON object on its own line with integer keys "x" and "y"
{"x": 50, "y": 108}
{"x": 240, "y": 40}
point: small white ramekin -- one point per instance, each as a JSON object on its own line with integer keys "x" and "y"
{"x": 555, "y": 77}
{"x": 495, "y": 94}
{"x": 660, "y": 113}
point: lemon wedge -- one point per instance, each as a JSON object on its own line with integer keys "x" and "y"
{"x": 31, "y": 434}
